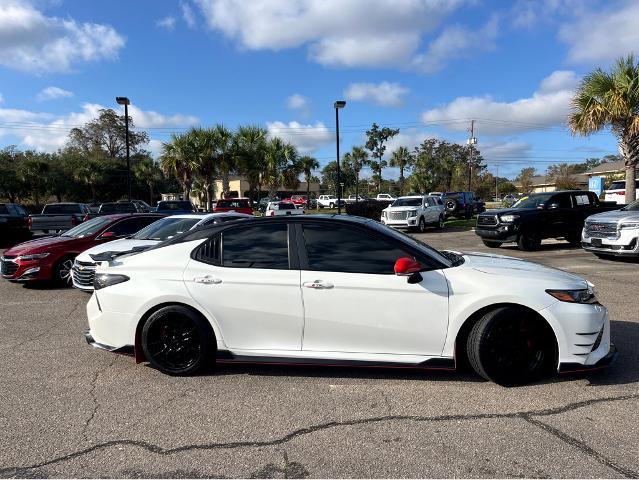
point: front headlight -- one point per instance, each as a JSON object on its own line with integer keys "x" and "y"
{"x": 104, "y": 280}
{"x": 412, "y": 213}
{"x": 383, "y": 214}
{"x": 629, "y": 225}
{"x": 508, "y": 218}
{"x": 586, "y": 295}
{"x": 34, "y": 256}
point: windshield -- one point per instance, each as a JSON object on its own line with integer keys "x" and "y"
{"x": 232, "y": 204}
{"x": 285, "y": 206}
{"x": 88, "y": 228}
{"x": 166, "y": 228}
{"x": 175, "y": 206}
{"x": 533, "y": 201}
{"x": 407, "y": 202}
{"x": 632, "y": 206}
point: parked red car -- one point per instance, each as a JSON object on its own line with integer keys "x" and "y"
{"x": 239, "y": 205}
{"x": 299, "y": 201}
{"x": 51, "y": 258}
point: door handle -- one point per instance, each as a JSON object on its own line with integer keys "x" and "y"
{"x": 318, "y": 285}
{"x": 207, "y": 280}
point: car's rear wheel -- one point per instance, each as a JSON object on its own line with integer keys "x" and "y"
{"x": 440, "y": 222}
{"x": 177, "y": 341}
{"x": 421, "y": 225}
{"x": 331, "y": 205}
{"x": 511, "y": 346}
{"x": 492, "y": 243}
{"x": 528, "y": 242}
{"x": 62, "y": 272}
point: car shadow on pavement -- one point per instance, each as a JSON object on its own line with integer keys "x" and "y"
{"x": 545, "y": 247}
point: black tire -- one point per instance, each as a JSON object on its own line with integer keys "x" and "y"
{"x": 331, "y": 205}
{"x": 62, "y": 272}
{"x": 511, "y": 346}
{"x": 528, "y": 242}
{"x": 574, "y": 239}
{"x": 421, "y": 225}
{"x": 177, "y": 341}
{"x": 440, "y": 223}
{"x": 603, "y": 256}
{"x": 451, "y": 205}
{"x": 492, "y": 243}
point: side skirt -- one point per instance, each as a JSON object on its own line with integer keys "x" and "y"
{"x": 226, "y": 357}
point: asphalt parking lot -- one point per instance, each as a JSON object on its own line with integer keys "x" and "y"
{"x": 67, "y": 410}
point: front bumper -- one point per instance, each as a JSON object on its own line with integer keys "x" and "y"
{"x": 605, "y": 361}
{"x": 25, "y": 271}
{"x": 625, "y": 245}
{"x": 407, "y": 223}
{"x": 502, "y": 233}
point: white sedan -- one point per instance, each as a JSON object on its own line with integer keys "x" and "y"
{"x": 278, "y": 290}
{"x": 83, "y": 269}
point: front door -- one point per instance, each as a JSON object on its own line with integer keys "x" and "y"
{"x": 243, "y": 279}
{"x": 353, "y": 301}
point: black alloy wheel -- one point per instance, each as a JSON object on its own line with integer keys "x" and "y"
{"x": 177, "y": 341}
{"x": 511, "y": 346}
{"x": 62, "y": 272}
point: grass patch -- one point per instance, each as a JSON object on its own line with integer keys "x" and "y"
{"x": 461, "y": 223}
{"x": 323, "y": 211}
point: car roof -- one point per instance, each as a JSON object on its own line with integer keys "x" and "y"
{"x": 119, "y": 216}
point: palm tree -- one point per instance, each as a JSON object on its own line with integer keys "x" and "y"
{"x": 277, "y": 155}
{"x": 307, "y": 165}
{"x": 356, "y": 158}
{"x": 403, "y": 159}
{"x": 611, "y": 99}
{"x": 175, "y": 160}
{"x": 205, "y": 160}
{"x": 223, "y": 138}
{"x": 148, "y": 172}
{"x": 249, "y": 144}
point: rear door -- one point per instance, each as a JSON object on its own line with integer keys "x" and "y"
{"x": 353, "y": 301}
{"x": 246, "y": 279}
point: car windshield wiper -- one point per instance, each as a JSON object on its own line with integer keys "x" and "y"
{"x": 110, "y": 255}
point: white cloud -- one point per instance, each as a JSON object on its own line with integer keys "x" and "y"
{"x": 167, "y": 23}
{"x": 47, "y": 132}
{"x": 506, "y": 151}
{"x": 299, "y": 103}
{"x": 528, "y": 13}
{"x": 187, "y": 14}
{"x": 409, "y": 138}
{"x": 548, "y": 106}
{"x": 33, "y": 42}
{"x": 385, "y": 94}
{"x": 602, "y": 36}
{"x": 51, "y": 93}
{"x": 356, "y": 33}
{"x": 456, "y": 42}
{"x": 307, "y": 138}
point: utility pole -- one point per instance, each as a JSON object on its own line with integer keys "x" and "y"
{"x": 471, "y": 141}
{"x": 496, "y": 180}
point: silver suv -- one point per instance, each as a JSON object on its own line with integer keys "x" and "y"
{"x": 613, "y": 233}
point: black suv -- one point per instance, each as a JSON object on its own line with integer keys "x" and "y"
{"x": 462, "y": 204}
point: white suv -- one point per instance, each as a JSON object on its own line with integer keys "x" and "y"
{"x": 415, "y": 212}
{"x": 327, "y": 201}
{"x": 616, "y": 192}
{"x": 385, "y": 196}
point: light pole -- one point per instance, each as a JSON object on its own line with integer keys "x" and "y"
{"x": 471, "y": 142}
{"x": 338, "y": 104}
{"x": 125, "y": 101}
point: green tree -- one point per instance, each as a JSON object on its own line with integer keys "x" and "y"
{"x": 329, "y": 176}
{"x": 525, "y": 179}
{"x": 148, "y": 172}
{"x": 249, "y": 145}
{"x": 307, "y": 165}
{"x": 11, "y": 187}
{"x": 611, "y": 99}
{"x": 356, "y": 159}
{"x": 506, "y": 187}
{"x": 562, "y": 175}
{"x": 223, "y": 141}
{"x": 33, "y": 171}
{"x": 402, "y": 159}
{"x": 376, "y": 138}
{"x": 175, "y": 160}
{"x": 278, "y": 156}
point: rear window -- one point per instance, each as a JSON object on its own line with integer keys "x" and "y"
{"x": 61, "y": 209}
{"x": 177, "y": 205}
{"x": 407, "y": 202}
{"x": 617, "y": 185}
{"x": 233, "y": 204}
{"x": 285, "y": 206}
{"x": 117, "y": 208}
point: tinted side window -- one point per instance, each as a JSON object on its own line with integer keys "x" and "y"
{"x": 209, "y": 252}
{"x": 562, "y": 199}
{"x": 256, "y": 246}
{"x": 130, "y": 226}
{"x": 349, "y": 250}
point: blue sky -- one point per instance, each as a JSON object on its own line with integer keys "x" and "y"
{"x": 425, "y": 66}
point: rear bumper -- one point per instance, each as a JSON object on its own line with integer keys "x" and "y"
{"x": 605, "y": 361}
{"x": 124, "y": 350}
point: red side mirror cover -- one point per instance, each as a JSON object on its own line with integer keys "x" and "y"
{"x": 107, "y": 234}
{"x": 406, "y": 266}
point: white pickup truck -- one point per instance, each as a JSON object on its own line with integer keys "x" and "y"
{"x": 58, "y": 217}
{"x": 328, "y": 201}
{"x": 613, "y": 233}
{"x": 415, "y": 212}
{"x": 275, "y": 209}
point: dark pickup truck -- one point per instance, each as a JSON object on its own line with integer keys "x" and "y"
{"x": 539, "y": 216}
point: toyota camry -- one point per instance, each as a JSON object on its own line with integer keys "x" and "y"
{"x": 343, "y": 290}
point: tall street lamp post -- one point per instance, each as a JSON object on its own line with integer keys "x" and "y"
{"x": 125, "y": 101}
{"x": 338, "y": 104}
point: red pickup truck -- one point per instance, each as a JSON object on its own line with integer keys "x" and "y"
{"x": 239, "y": 205}
{"x": 299, "y": 201}
{"x": 51, "y": 258}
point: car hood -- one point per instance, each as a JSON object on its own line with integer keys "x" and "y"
{"x": 42, "y": 244}
{"x": 615, "y": 216}
{"x": 401, "y": 209}
{"x": 503, "y": 265}
{"x": 121, "y": 245}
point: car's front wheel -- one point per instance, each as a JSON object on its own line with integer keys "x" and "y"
{"x": 62, "y": 272}
{"x": 177, "y": 341}
{"x": 492, "y": 243}
{"x": 421, "y": 225}
{"x": 528, "y": 242}
{"x": 511, "y": 346}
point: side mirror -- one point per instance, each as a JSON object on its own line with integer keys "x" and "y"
{"x": 553, "y": 206}
{"x": 407, "y": 267}
{"x": 108, "y": 234}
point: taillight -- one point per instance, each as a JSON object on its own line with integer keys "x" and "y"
{"x": 30, "y": 221}
{"x": 623, "y": 192}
